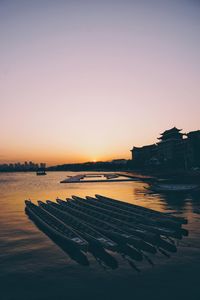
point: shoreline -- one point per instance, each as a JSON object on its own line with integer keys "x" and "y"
{"x": 176, "y": 176}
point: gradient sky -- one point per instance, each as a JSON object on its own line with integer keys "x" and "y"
{"x": 84, "y": 80}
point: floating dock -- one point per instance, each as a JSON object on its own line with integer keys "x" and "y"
{"x": 100, "y": 177}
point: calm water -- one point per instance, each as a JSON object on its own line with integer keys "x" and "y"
{"x": 34, "y": 267}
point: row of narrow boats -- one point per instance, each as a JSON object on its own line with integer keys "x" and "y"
{"x": 108, "y": 223}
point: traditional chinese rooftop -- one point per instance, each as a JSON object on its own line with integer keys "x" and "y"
{"x": 171, "y": 134}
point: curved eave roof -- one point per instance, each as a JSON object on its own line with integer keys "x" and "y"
{"x": 174, "y": 129}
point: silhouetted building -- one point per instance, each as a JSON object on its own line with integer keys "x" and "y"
{"x": 171, "y": 134}
{"x": 119, "y": 161}
{"x": 143, "y": 156}
{"x": 174, "y": 150}
{"x": 171, "y": 148}
{"x": 20, "y": 167}
{"x": 42, "y": 166}
{"x": 193, "y": 139}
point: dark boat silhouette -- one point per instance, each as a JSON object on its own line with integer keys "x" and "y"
{"x": 40, "y": 173}
{"x": 139, "y": 209}
{"x": 87, "y": 232}
{"x": 158, "y": 225}
{"x": 74, "y": 253}
{"x": 55, "y": 227}
{"x": 143, "y": 237}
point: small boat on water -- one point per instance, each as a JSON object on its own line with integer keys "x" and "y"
{"x": 55, "y": 226}
{"x": 111, "y": 176}
{"x": 174, "y": 187}
{"x": 143, "y": 218}
{"x": 127, "y": 216}
{"x": 116, "y": 234}
{"x": 127, "y": 227}
{"x": 92, "y": 175}
{"x": 91, "y": 235}
{"x": 40, "y": 173}
{"x": 139, "y": 209}
{"x": 140, "y": 236}
{"x": 94, "y": 223}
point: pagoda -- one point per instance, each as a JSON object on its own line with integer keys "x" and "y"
{"x": 171, "y": 148}
{"x": 171, "y": 134}
{"x": 174, "y": 150}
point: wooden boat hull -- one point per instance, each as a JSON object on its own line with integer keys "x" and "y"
{"x": 139, "y": 209}
{"x": 164, "y": 226}
{"x": 58, "y": 235}
{"x": 83, "y": 229}
{"x": 152, "y": 237}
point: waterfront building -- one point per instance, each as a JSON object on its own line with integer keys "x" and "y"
{"x": 174, "y": 150}
{"x": 193, "y": 139}
{"x": 43, "y": 166}
{"x": 121, "y": 161}
{"x": 171, "y": 148}
{"x": 143, "y": 156}
{"x": 171, "y": 134}
{"x": 18, "y": 167}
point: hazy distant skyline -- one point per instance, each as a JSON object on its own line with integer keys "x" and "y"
{"x": 88, "y": 80}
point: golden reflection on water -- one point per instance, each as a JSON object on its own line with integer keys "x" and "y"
{"x": 16, "y": 187}
{"x": 29, "y": 248}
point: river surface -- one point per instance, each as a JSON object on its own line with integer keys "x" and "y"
{"x": 32, "y": 266}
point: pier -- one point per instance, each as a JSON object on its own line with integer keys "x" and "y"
{"x": 99, "y": 177}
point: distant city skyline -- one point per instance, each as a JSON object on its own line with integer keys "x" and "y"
{"x": 86, "y": 80}
{"x": 22, "y": 166}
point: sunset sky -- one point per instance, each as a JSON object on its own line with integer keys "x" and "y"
{"x": 87, "y": 80}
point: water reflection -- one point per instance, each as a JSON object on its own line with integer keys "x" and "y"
{"x": 174, "y": 202}
{"x": 74, "y": 253}
{"x": 103, "y": 258}
{"x": 15, "y": 188}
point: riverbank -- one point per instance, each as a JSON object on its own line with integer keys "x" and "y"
{"x": 180, "y": 176}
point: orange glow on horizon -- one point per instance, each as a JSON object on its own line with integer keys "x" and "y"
{"x": 78, "y": 89}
